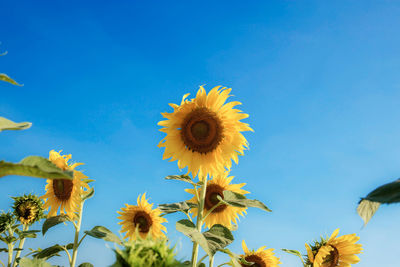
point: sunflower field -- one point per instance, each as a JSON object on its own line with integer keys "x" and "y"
{"x": 165, "y": 134}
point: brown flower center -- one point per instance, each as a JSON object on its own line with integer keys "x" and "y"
{"x": 212, "y": 193}
{"x": 201, "y": 130}
{"x": 143, "y": 221}
{"x": 62, "y": 188}
{"x": 333, "y": 258}
{"x": 26, "y": 212}
{"x": 258, "y": 262}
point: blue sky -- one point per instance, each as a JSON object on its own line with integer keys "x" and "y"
{"x": 318, "y": 78}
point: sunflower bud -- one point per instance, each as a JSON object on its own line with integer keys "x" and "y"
{"x": 28, "y": 209}
{"x": 6, "y": 220}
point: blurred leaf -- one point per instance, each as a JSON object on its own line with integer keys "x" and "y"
{"x": 386, "y": 194}
{"x": 103, "y": 233}
{"x": 184, "y": 206}
{"x": 236, "y": 259}
{"x": 4, "y": 77}
{"x": 51, "y": 251}
{"x": 366, "y": 209}
{"x": 184, "y": 178}
{"x": 3, "y": 250}
{"x": 53, "y": 221}
{"x": 26, "y": 262}
{"x": 34, "y": 166}
{"x": 218, "y": 237}
{"x": 187, "y": 228}
{"x": 86, "y": 264}
{"x": 6, "y": 124}
{"x": 239, "y": 200}
{"x": 89, "y": 194}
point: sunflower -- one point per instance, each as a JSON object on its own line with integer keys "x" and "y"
{"x": 223, "y": 214}
{"x": 141, "y": 218}
{"x": 28, "y": 209}
{"x": 261, "y": 258}
{"x": 336, "y": 251}
{"x": 204, "y": 133}
{"x": 62, "y": 193}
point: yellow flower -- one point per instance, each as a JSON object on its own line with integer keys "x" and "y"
{"x": 204, "y": 133}
{"x": 336, "y": 251}
{"x": 261, "y": 258}
{"x": 222, "y": 214}
{"x": 62, "y": 193}
{"x": 143, "y": 217}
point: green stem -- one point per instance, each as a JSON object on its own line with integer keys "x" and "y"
{"x": 199, "y": 222}
{"x": 212, "y": 209}
{"x": 76, "y": 240}
{"x": 2, "y": 264}
{"x": 211, "y": 261}
{"x": 69, "y": 255}
{"x": 25, "y": 227}
{"x": 202, "y": 258}
{"x": 10, "y": 249}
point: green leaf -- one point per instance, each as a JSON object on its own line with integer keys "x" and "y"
{"x": 51, "y": 251}
{"x": 184, "y": 206}
{"x": 34, "y": 166}
{"x": 86, "y": 264}
{"x": 184, "y": 178}
{"x": 26, "y": 262}
{"x": 201, "y": 264}
{"x": 103, "y": 233}
{"x": 3, "y": 250}
{"x": 187, "y": 228}
{"x": 292, "y": 251}
{"x": 366, "y": 209}
{"x": 239, "y": 200}
{"x": 28, "y": 234}
{"x": 386, "y": 194}
{"x": 89, "y": 194}
{"x": 6, "y": 124}
{"x": 218, "y": 237}
{"x": 53, "y": 221}
{"x": 4, "y": 77}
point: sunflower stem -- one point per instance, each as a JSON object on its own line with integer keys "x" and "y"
{"x": 2, "y": 264}
{"x": 69, "y": 255}
{"x": 212, "y": 209}
{"x": 199, "y": 221}
{"x": 25, "y": 227}
{"x": 76, "y": 240}
{"x": 211, "y": 261}
{"x": 10, "y": 248}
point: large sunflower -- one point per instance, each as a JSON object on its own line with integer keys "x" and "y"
{"x": 336, "y": 251}
{"x": 222, "y": 214}
{"x": 144, "y": 218}
{"x": 62, "y": 193}
{"x": 262, "y": 257}
{"x": 204, "y": 133}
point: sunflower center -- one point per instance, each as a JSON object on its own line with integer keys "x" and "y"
{"x": 258, "y": 262}
{"x": 333, "y": 258}
{"x": 201, "y": 130}
{"x": 62, "y": 188}
{"x": 212, "y": 193}
{"x": 143, "y": 221}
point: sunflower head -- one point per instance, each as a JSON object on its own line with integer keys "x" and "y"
{"x": 28, "y": 209}
{"x": 260, "y": 258}
{"x": 204, "y": 133}
{"x": 64, "y": 194}
{"x": 6, "y": 220}
{"x": 222, "y": 214}
{"x": 334, "y": 251}
{"x": 141, "y": 220}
